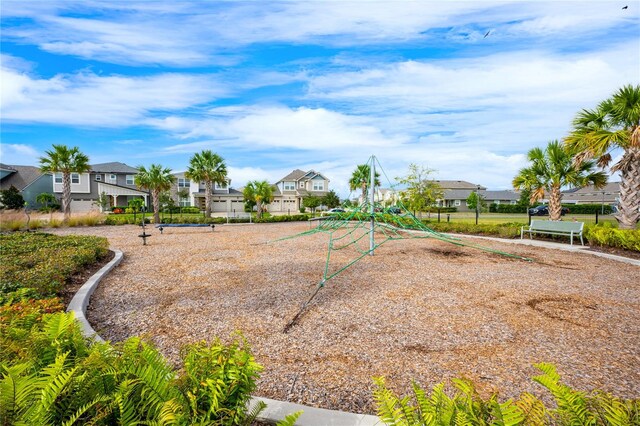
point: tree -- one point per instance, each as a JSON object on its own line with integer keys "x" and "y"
{"x": 210, "y": 168}
{"x": 553, "y": 169}
{"x": 11, "y": 198}
{"x": 156, "y": 179}
{"x": 312, "y": 202}
{"x": 421, "y": 192}
{"x": 361, "y": 179}
{"x": 331, "y": 199}
{"x": 66, "y": 161}
{"x": 47, "y": 199}
{"x": 183, "y": 194}
{"x": 614, "y": 124}
{"x": 259, "y": 192}
{"x": 473, "y": 199}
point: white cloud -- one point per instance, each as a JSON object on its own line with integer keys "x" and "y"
{"x": 92, "y": 100}
{"x": 18, "y": 154}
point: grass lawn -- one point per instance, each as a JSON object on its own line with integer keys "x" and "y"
{"x": 496, "y": 218}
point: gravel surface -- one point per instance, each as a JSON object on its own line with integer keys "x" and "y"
{"x": 419, "y": 309}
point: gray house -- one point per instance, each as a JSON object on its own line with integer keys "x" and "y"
{"x": 114, "y": 180}
{"x": 609, "y": 195}
{"x": 28, "y": 180}
{"x": 289, "y": 191}
{"x": 224, "y": 197}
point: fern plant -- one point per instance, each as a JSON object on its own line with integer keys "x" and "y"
{"x": 466, "y": 407}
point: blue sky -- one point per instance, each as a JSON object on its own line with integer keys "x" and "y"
{"x": 273, "y": 86}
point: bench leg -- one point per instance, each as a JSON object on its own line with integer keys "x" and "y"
{"x": 522, "y": 233}
{"x": 581, "y": 240}
{"x": 571, "y": 237}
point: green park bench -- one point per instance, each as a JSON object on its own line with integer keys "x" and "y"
{"x": 553, "y": 227}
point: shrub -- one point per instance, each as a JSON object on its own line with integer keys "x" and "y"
{"x": 606, "y": 234}
{"x": 504, "y": 230}
{"x": 467, "y": 407}
{"x": 588, "y": 208}
{"x": 507, "y": 208}
{"x": 45, "y": 262}
{"x": 191, "y": 210}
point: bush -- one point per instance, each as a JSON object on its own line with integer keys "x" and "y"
{"x": 507, "y": 208}
{"x": 466, "y": 407}
{"x": 61, "y": 378}
{"x": 192, "y": 210}
{"x": 44, "y": 262}
{"x": 606, "y": 235}
{"x": 11, "y": 198}
{"x": 588, "y": 208}
{"x": 504, "y": 230}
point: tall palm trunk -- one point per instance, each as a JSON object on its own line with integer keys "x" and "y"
{"x": 364, "y": 193}
{"x": 555, "y": 203}
{"x": 155, "y": 194}
{"x": 207, "y": 198}
{"x": 66, "y": 196}
{"x": 629, "y": 207}
{"x": 259, "y": 207}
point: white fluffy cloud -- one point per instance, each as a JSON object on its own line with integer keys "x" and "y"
{"x": 92, "y": 100}
{"x": 11, "y": 153}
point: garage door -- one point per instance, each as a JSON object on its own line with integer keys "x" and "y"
{"x": 219, "y": 206}
{"x": 80, "y": 206}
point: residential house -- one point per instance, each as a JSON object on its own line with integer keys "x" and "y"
{"x": 29, "y": 180}
{"x": 609, "y": 195}
{"x": 224, "y": 197}
{"x": 500, "y": 197}
{"x": 289, "y": 191}
{"x": 456, "y": 192}
{"x": 113, "y": 180}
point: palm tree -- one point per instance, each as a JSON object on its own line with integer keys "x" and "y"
{"x": 63, "y": 160}
{"x": 156, "y": 180}
{"x": 552, "y": 169}
{"x": 360, "y": 179}
{"x": 210, "y": 168}
{"x": 259, "y": 192}
{"x": 614, "y": 124}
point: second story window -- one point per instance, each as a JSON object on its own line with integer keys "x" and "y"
{"x": 301, "y": 185}
{"x": 318, "y": 186}
{"x": 112, "y": 178}
{"x": 75, "y": 178}
{"x": 289, "y": 186}
{"x": 130, "y": 180}
{"x": 183, "y": 183}
{"x": 99, "y": 178}
{"x": 58, "y": 178}
{"x": 222, "y": 186}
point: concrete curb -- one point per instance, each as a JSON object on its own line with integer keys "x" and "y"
{"x": 80, "y": 301}
{"x": 275, "y": 411}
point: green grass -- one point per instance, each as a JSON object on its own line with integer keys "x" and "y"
{"x": 498, "y": 218}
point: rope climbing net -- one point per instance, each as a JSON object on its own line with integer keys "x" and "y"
{"x": 360, "y": 230}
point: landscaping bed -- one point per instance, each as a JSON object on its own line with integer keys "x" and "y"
{"x": 418, "y": 309}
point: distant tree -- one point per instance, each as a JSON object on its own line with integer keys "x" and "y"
{"x": 361, "y": 179}
{"x": 156, "y": 179}
{"x": 11, "y": 198}
{"x": 552, "y": 169}
{"x": 183, "y": 194}
{"x": 473, "y": 199}
{"x": 421, "y": 192}
{"x": 259, "y": 192}
{"x": 47, "y": 199}
{"x": 63, "y": 160}
{"x": 331, "y": 199}
{"x": 311, "y": 202}
{"x": 615, "y": 123}
{"x": 525, "y": 198}
{"x": 210, "y": 168}
{"x": 103, "y": 201}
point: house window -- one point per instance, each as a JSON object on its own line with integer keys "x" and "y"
{"x": 318, "y": 186}
{"x": 301, "y": 185}
{"x": 289, "y": 186}
{"x": 99, "y": 178}
{"x": 513, "y": 202}
{"x": 58, "y": 177}
{"x": 75, "y": 178}
{"x": 184, "y": 202}
{"x": 220, "y": 186}
{"x": 183, "y": 183}
{"x": 130, "y": 180}
{"x": 112, "y": 178}
{"x": 456, "y": 203}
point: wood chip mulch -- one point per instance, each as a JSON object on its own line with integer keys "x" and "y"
{"x": 419, "y": 309}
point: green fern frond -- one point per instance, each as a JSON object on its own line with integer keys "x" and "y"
{"x": 289, "y": 420}
{"x": 17, "y": 391}
{"x": 462, "y": 419}
{"x": 255, "y": 411}
{"x": 387, "y": 403}
{"x": 424, "y": 407}
{"x": 83, "y": 409}
{"x": 534, "y": 411}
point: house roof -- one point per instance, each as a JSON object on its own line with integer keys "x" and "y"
{"x": 114, "y": 167}
{"x": 6, "y": 167}
{"x": 457, "y": 184}
{"x": 21, "y": 177}
{"x": 609, "y": 188}
{"x": 457, "y": 194}
{"x": 294, "y": 175}
{"x": 500, "y": 195}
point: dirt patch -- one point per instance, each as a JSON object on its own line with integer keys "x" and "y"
{"x": 564, "y": 309}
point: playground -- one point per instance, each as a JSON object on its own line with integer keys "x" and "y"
{"x": 418, "y": 309}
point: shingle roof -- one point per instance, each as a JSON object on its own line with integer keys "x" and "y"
{"x": 6, "y": 167}
{"x": 457, "y": 194}
{"x": 294, "y": 175}
{"x": 500, "y": 195}
{"x": 457, "y": 184}
{"x": 22, "y": 177}
{"x": 114, "y": 167}
{"x": 609, "y": 188}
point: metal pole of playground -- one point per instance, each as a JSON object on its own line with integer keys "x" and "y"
{"x": 372, "y": 177}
